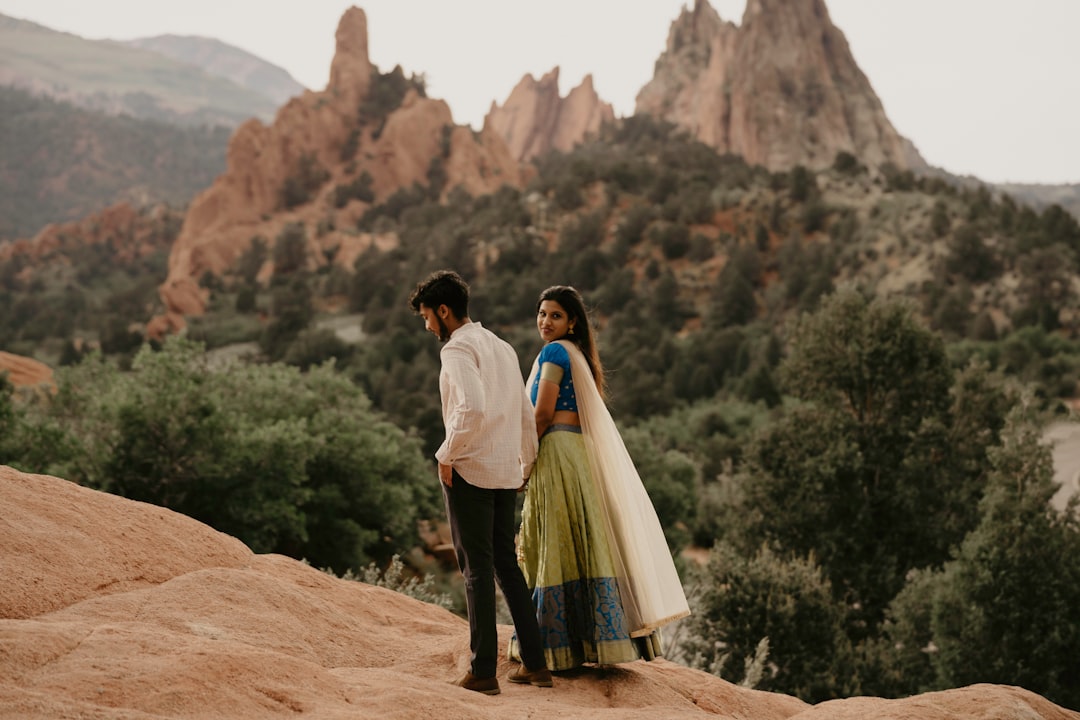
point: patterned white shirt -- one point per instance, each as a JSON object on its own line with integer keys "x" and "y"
{"x": 490, "y": 429}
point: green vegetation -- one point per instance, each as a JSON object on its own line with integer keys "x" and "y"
{"x": 301, "y": 185}
{"x": 289, "y": 462}
{"x": 396, "y": 577}
{"x": 84, "y": 295}
{"x": 787, "y": 603}
{"x": 1002, "y": 609}
{"x": 386, "y": 95}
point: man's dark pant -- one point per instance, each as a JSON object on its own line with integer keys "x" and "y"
{"x": 482, "y": 527}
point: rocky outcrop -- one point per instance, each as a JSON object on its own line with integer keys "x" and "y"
{"x": 120, "y": 609}
{"x": 25, "y": 372}
{"x": 310, "y": 135}
{"x": 535, "y": 119}
{"x": 131, "y": 233}
{"x": 782, "y": 89}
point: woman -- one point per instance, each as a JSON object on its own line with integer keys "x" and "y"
{"x": 591, "y": 546}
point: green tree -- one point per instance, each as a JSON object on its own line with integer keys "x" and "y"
{"x": 801, "y": 184}
{"x": 969, "y": 256}
{"x": 385, "y": 94}
{"x": 670, "y": 476}
{"x": 939, "y": 219}
{"x": 634, "y": 223}
{"x": 847, "y": 164}
{"x": 251, "y": 260}
{"x": 290, "y": 249}
{"x": 734, "y": 302}
{"x": 292, "y": 311}
{"x": 741, "y": 600}
{"x": 289, "y": 462}
{"x": 1046, "y": 286}
{"x": 1006, "y": 609}
{"x": 315, "y": 347}
{"x": 869, "y": 472}
{"x": 306, "y": 178}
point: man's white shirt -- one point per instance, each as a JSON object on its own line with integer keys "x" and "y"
{"x": 490, "y": 428}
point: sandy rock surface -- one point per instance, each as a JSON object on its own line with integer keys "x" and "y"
{"x": 111, "y": 608}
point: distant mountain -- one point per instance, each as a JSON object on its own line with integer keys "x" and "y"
{"x": 1067, "y": 196}
{"x": 59, "y": 162}
{"x": 116, "y": 78}
{"x": 227, "y": 61}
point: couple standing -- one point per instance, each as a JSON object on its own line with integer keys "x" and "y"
{"x": 595, "y": 580}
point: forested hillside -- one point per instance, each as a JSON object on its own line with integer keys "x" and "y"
{"x": 60, "y": 163}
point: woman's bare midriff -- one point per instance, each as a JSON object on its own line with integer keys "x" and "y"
{"x": 565, "y": 417}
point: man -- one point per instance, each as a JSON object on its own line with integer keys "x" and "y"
{"x": 485, "y": 459}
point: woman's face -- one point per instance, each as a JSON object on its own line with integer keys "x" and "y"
{"x": 552, "y": 321}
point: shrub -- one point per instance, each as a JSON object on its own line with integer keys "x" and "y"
{"x": 358, "y": 189}
{"x": 300, "y": 187}
{"x": 847, "y": 164}
{"x": 633, "y": 224}
{"x": 385, "y": 94}
{"x": 288, "y": 462}
{"x": 673, "y": 238}
{"x": 742, "y": 600}
{"x": 394, "y": 577}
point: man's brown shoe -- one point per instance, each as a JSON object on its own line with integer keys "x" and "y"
{"x": 487, "y": 686}
{"x": 539, "y": 678}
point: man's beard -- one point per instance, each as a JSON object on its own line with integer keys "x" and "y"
{"x": 444, "y": 332}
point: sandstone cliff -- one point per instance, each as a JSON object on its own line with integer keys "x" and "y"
{"x": 312, "y": 131}
{"x": 535, "y": 119}
{"x": 119, "y": 609}
{"x": 782, "y": 89}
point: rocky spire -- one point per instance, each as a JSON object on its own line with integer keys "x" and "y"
{"x": 781, "y": 90}
{"x": 535, "y": 119}
{"x": 312, "y": 131}
{"x": 351, "y": 68}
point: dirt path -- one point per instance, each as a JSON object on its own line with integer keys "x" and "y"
{"x": 1065, "y": 439}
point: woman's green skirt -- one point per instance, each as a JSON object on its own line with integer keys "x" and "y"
{"x": 564, "y": 551}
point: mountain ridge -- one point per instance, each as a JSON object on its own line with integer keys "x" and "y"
{"x": 228, "y": 61}
{"x": 70, "y": 68}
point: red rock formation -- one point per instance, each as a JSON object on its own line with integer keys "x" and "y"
{"x": 25, "y": 372}
{"x": 780, "y": 90}
{"x": 133, "y": 234}
{"x": 120, "y": 609}
{"x": 534, "y": 119}
{"x": 245, "y": 201}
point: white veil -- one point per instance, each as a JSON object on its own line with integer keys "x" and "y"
{"x": 651, "y": 591}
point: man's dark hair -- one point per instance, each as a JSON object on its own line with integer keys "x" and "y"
{"x": 442, "y": 287}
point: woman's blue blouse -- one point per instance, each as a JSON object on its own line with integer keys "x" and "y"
{"x": 556, "y": 354}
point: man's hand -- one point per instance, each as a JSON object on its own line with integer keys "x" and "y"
{"x": 524, "y": 485}
{"x": 446, "y": 474}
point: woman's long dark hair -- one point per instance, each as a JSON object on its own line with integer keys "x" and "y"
{"x": 574, "y": 305}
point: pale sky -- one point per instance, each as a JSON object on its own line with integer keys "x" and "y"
{"x": 989, "y": 88}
